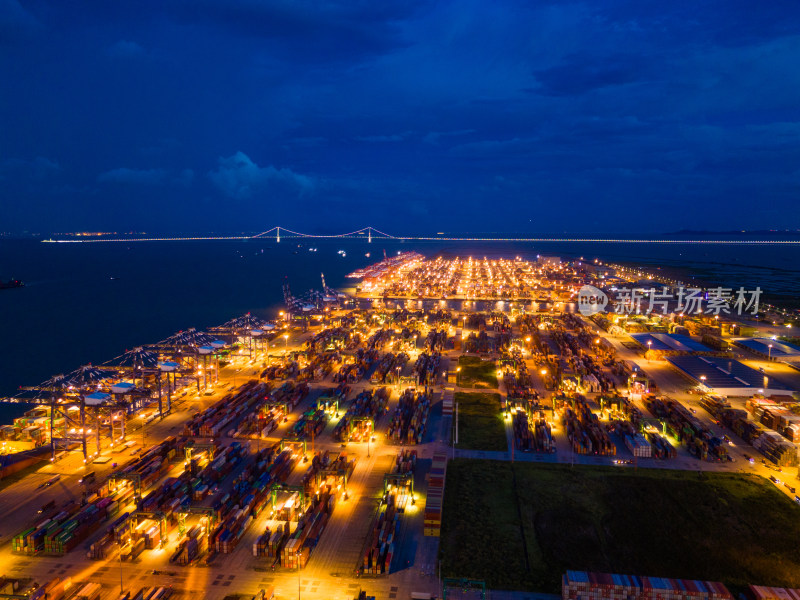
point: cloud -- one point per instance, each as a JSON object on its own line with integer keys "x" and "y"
{"x": 126, "y": 49}
{"x": 125, "y": 175}
{"x": 395, "y": 137}
{"x": 486, "y": 148}
{"x": 434, "y": 137}
{"x": 46, "y": 164}
{"x": 40, "y": 167}
{"x": 15, "y": 22}
{"x": 240, "y": 178}
{"x": 184, "y": 178}
{"x": 305, "y": 31}
{"x": 546, "y": 104}
{"x": 585, "y": 72}
{"x": 154, "y": 177}
{"x": 309, "y": 141}
{"x": 162, "y": 147}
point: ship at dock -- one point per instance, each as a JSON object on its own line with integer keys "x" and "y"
{"x": 11, "y": 284}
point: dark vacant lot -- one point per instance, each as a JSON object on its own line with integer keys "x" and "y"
{"x": 480, "y": 422}
{"x": 477, "y": 373}
{"x": 521, "y": 526}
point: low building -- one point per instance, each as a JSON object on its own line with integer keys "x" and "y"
{"x": 727, "y": 376}
{"x": 669, "y": 343}
{"x": 548, "y": 260}
{"x": 772, "y": 349}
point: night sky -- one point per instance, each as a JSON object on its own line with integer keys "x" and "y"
{"x": 414, "y": 117}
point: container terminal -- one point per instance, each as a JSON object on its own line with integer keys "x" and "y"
{"x": 307, "y": 456}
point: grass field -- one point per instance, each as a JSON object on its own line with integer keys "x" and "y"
{"x": 477, "y": 373}
{"x": 522, "y": 526}
{"x": 480, "y": 423}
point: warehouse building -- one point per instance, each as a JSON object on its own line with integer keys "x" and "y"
{"x": 727, "y": 376}
{"x": 669, "y": 343}
{"x": 772, "y": 349}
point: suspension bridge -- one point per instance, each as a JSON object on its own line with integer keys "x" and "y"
{"x": 369, "y": 233}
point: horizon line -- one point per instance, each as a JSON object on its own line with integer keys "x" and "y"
{"x": 369, "y": 232}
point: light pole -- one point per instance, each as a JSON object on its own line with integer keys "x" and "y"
{"x": 297, "y": 555}
{"x": 285, "y": 343}
{"x": 572, "y": 464}
{"x": 649, "y": 347}
{"x": 456, "y": 424}
{"x": 769, "y": 352}
{"x": 121, "y": 588}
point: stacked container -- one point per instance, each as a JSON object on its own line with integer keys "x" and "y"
{"x": 687, "y": 428}
{"x": 435, "y": 496}
{"x": 388, "y": 366}
{"x": 585, "y": 432}
{"x": 290, "y": 394}
{"x": 447, "y": 400}
{"x": 369, "y": 404}
{"x": 57, "y": 588}
{"x": 293, "y": 548}
{"x": 410, "y": 418}
{"x": 59, "y": 534}
{"x": 536, "y": 436}
{"x": 310, "y": 425}
{"x": 661, "y": 447}
{"x": 377, "y": 558}
{"x": 584, "y": 585}
{"x": 760, "y": 592}
{"x": 638, "y": 445}
{"x": 223, "y": 416}
{"x": 427, "y": 366}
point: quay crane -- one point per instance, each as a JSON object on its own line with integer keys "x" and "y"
{"x": 313, "y": 302}
{"x": 143, "y": 363}
{"x": 186, "y": 347}
{"x": 69, "y": 397}
{"x": 247, "y": 326}
{"x": 331, "y": 294}
{"x": 294, "y": 304}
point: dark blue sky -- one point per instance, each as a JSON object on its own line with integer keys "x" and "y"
{"x": 202, "y": 115}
